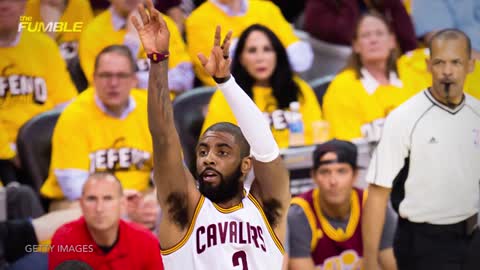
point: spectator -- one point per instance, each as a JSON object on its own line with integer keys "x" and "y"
{"x": 260, "y": 66}
{"x": 70, "y": 12}
{"x": 34, "y": 78}
{"x": 373, "y": 84}
{"x": 333, "y": 21}
{"x": 324, "y": 223}
{"x": 237, "y": 15}
{"x": 104, "y": 129}
{"x": 100, "y": 238}
{"x": 112, "y": 27}
{"x": 462, "y": 15}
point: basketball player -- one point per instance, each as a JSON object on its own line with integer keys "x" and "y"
{"x": 219, "y": 226}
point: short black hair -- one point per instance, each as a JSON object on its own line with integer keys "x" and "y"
{"x": 237, "y": 134}
{"x": 73, "y": 265}
{"x": 449, "y": 34}
{"x": 121, "y": 50}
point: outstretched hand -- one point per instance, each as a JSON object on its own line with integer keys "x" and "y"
{"x": 153, "y": 31}
{"x": 218, "y": 64}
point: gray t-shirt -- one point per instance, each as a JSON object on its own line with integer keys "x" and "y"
{"x": 300, "y": 234}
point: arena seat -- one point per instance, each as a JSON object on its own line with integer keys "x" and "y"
{"x": 34, "y": 146}
{"x": 320, "y": 86}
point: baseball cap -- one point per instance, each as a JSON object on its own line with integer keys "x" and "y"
{"x": 345, "y": 150}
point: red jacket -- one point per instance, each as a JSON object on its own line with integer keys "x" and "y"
{"x": 136, "y": 248}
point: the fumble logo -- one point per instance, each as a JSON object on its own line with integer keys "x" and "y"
{"x": 27, "y": 24}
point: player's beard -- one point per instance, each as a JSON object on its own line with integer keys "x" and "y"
{"x": 228, "y": 187}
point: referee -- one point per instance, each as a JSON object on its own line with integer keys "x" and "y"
{"x": 428, "y": 163}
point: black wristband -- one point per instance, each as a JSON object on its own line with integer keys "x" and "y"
{"x": 221, "y": 80}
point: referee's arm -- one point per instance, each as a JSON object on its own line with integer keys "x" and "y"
{"x": 386, "y": 164}
{"x": 373, "y": 221}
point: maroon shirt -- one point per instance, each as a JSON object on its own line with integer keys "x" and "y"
{"x": 329, "y": 242}
{"x": 334, "y": 21}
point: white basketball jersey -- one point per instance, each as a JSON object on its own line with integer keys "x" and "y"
{"x": 238, "y": 238}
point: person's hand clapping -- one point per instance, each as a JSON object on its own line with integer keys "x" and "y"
{"x": 218, "y": 64}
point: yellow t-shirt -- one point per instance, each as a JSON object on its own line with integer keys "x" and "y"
{"x": 86, "y": 138}
{"x": 34, "y": 79}
{"x": 76, "y": 11}
{"x": 101, "y": 33}
{"x": 200, "y": 28}
{"x": 353, "y": 113}
{"x": 417, "y": 61}
{"x": 219, "y": 111}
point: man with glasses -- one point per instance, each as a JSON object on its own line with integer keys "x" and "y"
{"x": 105, "y": 129}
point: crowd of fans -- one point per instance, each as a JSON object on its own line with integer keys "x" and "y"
{"x": 97, "y": 77}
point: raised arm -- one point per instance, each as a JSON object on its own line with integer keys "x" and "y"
{"x": 175, "y": 186}
{"x": 271, "y": 186}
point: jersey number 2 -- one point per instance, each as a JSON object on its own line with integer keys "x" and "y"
{"x": 240, "y": 257}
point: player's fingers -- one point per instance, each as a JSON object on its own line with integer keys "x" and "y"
{"x": 218, "y": 37}
{"x": 226, "y": 41}
{"x": 136, "y": 23}
{"x": 218, "y": 53}
{"x": 150, "y": 6}
{"x": 143, "y": 14}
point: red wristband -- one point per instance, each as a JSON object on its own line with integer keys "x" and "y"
{"x": 158, "y": 57}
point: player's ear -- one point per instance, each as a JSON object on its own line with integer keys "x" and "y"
{"x": 246, "y": 165}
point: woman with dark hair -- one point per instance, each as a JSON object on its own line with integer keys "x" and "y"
{"x": 260, "y": 66}
{"x": 372, "y": 84}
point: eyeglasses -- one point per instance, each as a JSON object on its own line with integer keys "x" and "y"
{"x": 109, "y": 76}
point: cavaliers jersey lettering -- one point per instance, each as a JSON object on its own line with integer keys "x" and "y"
{"x": 236, "y": 238}
{"x": 118, "y": 159}
{"x": 21, "y": 86}
{"x": 333, "y": 248}
{"x": 229, "y": 232}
